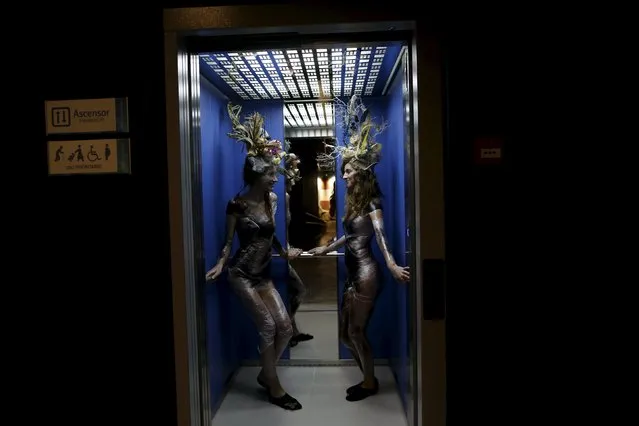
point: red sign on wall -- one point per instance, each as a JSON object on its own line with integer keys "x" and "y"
{"x": 488, "y": 150}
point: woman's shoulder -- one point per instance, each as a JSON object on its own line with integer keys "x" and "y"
{"x": 375, "y": 204}
{"x": 236, "y": 206}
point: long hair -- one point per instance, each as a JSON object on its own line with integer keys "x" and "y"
{"x": 250, "y": 177}
{"x": 365, "y": 190}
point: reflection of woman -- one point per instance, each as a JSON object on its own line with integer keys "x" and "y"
{"x": 363, "y": 216}
{"x": 296, "y": 288}
{"x": 333, "y": 208}
{"x": 252, "y": 216}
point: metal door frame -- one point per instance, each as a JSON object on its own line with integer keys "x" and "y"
{"x": 428, "y": 377}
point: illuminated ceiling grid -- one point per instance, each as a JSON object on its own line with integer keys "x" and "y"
{"x": 294, "y": 74}
{"x": 308, "y": 114}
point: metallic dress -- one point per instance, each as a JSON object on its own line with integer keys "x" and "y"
{"x": 249, "y": 276}
{"x": 361, "y": 284}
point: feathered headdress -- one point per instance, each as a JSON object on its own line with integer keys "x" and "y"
{"x": 360, "y": 133}
{"x": 261, "y": 150}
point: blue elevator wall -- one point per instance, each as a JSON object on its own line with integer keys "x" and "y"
{"x": 221, "y": 158}
{"x": 384, "y": 329}
{"x": 396, "y": 228}
{"x": 340, "y": 191}
{"x": 273, "y": 113}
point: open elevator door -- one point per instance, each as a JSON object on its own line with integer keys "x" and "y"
{"x": 398, "y": 78}
{"x": 180, "y": 27}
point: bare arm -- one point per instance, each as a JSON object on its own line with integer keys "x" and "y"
{"x": 336, "y": 244}
{"x": 332, "y": 246}
{"x": 378, "y": 224}
{"x": 278, "y": 246}
{"x": 276, "y": 241}
{"x": 400, "y": 273}
{"x": 228, "y": 242}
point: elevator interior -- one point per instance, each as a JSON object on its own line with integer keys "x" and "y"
{"x": 295, "y": 90}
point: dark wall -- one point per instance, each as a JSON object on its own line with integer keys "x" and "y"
{"x": 497, "y": 271}
{"x": 102, "y": 333}
{"x": 95, "y": 262}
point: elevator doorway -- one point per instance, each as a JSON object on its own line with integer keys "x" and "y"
{"x": 183, "y": 74}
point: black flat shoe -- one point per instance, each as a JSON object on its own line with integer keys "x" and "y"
{"x": 286, "y": 402}
{"x": 360, "y": 393}
{"x": 303, "y": 337}
{"x": 352, "y": 388}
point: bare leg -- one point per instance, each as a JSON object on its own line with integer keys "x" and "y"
{"x": 296, "y": 293}
{"x": 343, "y": 328}
{"x": 360, "y": 305}
{"x": 277, "y": 309}
{"x": 272, "y": 324}
{"x": 284, "y": 331}
{"x": 359, "y": 314}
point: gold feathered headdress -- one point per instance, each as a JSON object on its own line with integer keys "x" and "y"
{"x": 261, "y": 150}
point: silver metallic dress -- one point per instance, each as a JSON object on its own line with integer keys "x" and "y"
{"x": 249, "y": 277}
{"x": 361, "y": 284}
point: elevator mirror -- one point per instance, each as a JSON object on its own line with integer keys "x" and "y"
{"x": 311, "y": 205}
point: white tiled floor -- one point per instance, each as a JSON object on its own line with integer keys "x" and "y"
{"x": 320, "y": 390}
{"x": 323, "y": 326}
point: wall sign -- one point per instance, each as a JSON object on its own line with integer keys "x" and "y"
{"x": 87, "y": 116}
{"x": 488, "y": 150}
{"x": 94, "y": 156}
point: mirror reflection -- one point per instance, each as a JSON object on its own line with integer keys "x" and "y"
{"x": 311, "y": 219}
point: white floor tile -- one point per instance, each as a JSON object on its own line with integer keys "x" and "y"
{"x": 323, "y": 326}
{"x": 320, "y": 390}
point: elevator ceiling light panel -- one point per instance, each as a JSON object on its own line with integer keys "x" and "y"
{"x": 309, "y": 114}
{"x": 302, "y": 74}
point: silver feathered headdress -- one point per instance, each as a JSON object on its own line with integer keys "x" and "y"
{"x": 360, "y": 132}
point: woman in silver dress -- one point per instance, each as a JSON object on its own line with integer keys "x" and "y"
{"x": 252, "y": 216}
{"x": 363, "y": 217}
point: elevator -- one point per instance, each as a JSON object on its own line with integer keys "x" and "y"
{"x": 291, "y": 71}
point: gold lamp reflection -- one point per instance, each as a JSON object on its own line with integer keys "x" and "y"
{"x": 324, "y": 191}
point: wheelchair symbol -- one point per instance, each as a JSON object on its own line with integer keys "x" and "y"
{"x": 92, "y": 155}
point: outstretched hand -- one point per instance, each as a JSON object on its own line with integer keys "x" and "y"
{"x": 317, "y": 251}
{"x": 292, "y": 253}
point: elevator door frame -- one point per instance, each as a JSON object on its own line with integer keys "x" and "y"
{"x": 427, "y": 404}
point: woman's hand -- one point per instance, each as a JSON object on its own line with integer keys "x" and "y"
{"x": 292, "y": 253}
{"x": 214, "y": 272}
{"x": 317, "y": 251}
{"x": 400, "y": 273}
